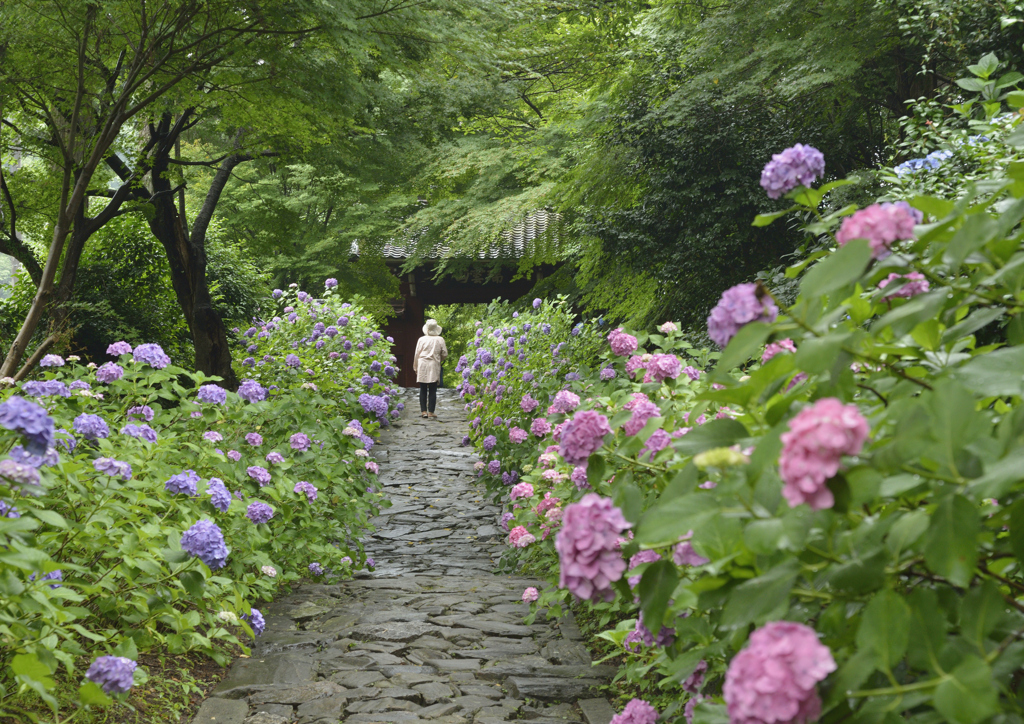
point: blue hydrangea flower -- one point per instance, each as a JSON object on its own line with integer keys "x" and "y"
{"x": 46, "y": 388}
{"x": 214, "y": 394}
{"x": 151, "y": 354}
{"x": 114, "y": 674}
{"x": 18, "y": 473}
{"x": 259, "y": 512}
{"x": 256, "y": 620}
{"x": 205, "y": 541}
{"x": 219, "y": 495}
{"x": 91, "y": 427}
{"x": 113, "y": 468}
{"x": 316, "y": 569}
{"x": 139, "y": 432}
{"x": 184, "y": 482}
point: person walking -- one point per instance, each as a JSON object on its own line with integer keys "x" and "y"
{"x": 426, "y": 363}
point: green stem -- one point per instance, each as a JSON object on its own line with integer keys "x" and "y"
{"x": 898, "y": 689}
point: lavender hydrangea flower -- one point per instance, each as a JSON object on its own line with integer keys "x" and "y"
{"x": 799, "y": 165}
{"x": 254, "y": 439}
{"x": 140, "y": 432}
{"x": 219, "y": 495}
{"x": 205, "y": 541}
{"x": 308, "y": 488}
{"x": 20, "y": 455}
{"x": 30, "y": 420}
{"x": 259, "y": 512}
{"x": 143, "y": 411}
{"x": 292, "y": 360}
{"x": 57, "y": 575}
{"x": 19, "y": 473}
{"x": 151, "y": 354}
{"x": 316, "y": 569}
{"x": 108, "y": 372}
{"x": 637, "y": 711}
{"x": 299, "y": 441}
{"x": 275, "y": 457}
{"x": 184, "y": 482}
{"x": 213, "y": 394}
{"x": 114, "y": 674}
{"x": 212, "y": 436}
{"x": 372, "y": 403}
{"x": 277, "y": 294}
{"x": 260, "y": 475}
{"x": 587, "y": 546}
{"x": 46, "y": 388}
{"x": 607, "y": 373}
{"x": 52, "y": 360}
{"x": 489, "y": 442}
{"x": 119, "y": 348}
{"x": 113, "y": 468}
{"x": 740, "y": 305}
{"x": 91, "y": 427}
{"x": 79, "y": 385}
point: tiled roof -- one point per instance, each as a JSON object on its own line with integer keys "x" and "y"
{"x": 512, "y": 244}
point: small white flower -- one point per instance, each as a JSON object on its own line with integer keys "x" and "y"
{"x": 73, "y": 358}
{"x": 362, "y": 454}
{"x": 7, "y": 381}
{"x": 228, "y": 617}
{"x": 91, "y": 365}
{"x": 269, "y": 570}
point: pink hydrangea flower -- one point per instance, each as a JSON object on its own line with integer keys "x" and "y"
{"x": 579, "y": 476}
{"x": 915, "y": 284}
{"x": 519, "y": 537}
{"x": 528, "y": 404}
{"x": 643, "y": 411}
{"x": 521, "y": 490}
{"x": 622, "y": 344}
{"x": 773, "y": 680}
{"x": 372, "y": 467}
{"x": 692, "y": 372}
{"x": 813, "y": 447}
{"x": 564, "y": 402}
{"x": 547, "y": 459}
{"x": 530, "y": 594}
{"x": 668, "y": 327}
{"x": 517, "y": 435}
{"x": 583, "y": 436}
{"x": 663, "y": 367}
{"x": 637, "y": 711}
{"x": 587, "y": 545}
{"x": 684, "y": 554}
{"x": 637, "y": 362}
{"x": 540, "y": 427}
{"x": 783, "y": 345}
{"x": 639, "y": 559}
{"x": 547, "y": 503}
{"x": 657, "y": 442}
{"x": 553, "y": 476}
{"x": 881, "y": 224}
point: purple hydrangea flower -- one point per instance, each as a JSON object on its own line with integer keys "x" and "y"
{"x": 489, "y": 442}
{"x": 213, "y": 394}
{"x": 151, "y": 354}
{"x": 119, "y": 348}
{"x": 234, "y": 455}
{"x": 184, "y": 482}
{"x": 494, "y": 467}
{"x": 79, "y": 385}
{"x": 588, "y": 548}
{"x": 139, "y": 432}
{"x": 108, "y": 372}
{"x": 213, "y": 436}
{"x": 114, "y": 674}
{"x": 113, "y": 468}
{"x": 799, "y": 165}
{"x": 299, "y": 441}
{"x": 537, "y": 303}
{"x": 52, "y": 360}
{"x": 20, "y": 455}
{"x": 30, "y": 420}
{"x": 259, "y": 512}
{"x": 275, "y": 457}
{"x": 255, "y": 620}
{"x": 308, "y": 488}
{"x": 292, "y": 360}
{"x": 254, "y": 439}
{"x": 57, "y": 575}
{"x": 316, "y": 569}
{"x": 143, "y": 411}
{"x": 277, "y": 294}
{"x": 260, "y": 475}
{"x": 91, "y": 427}
{"x": 637, "y": 711}
{"x": 740, "y": 305}
{"x": 377, "y": 405}
{"x": 205, "y": 541}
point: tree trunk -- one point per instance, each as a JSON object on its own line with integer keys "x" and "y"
{"x": 186, "y": 254}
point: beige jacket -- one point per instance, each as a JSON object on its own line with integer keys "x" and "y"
{"x": 426, "y": 362}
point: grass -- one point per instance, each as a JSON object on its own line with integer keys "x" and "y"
{"x": 177, "y": 686}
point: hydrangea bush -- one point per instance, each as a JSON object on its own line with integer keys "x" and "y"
{"x": 825, "y": 519}
{"x": 130, "y": 482}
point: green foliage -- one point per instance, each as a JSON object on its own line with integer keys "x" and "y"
{"x": 127, "y": 586}
{"x": 910, "y": 572}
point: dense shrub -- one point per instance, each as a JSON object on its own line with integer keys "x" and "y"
{"x": 828, "y": 521}
{"x": 116, "y": 480}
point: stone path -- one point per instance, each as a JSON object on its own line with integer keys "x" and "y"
{"x": 432, "y": 635}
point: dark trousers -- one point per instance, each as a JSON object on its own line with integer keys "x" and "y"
{"x": 428, "y": 389}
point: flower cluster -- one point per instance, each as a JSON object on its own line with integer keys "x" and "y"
{"x": 588, "y": 548}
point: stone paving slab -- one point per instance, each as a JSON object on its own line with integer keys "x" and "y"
{"x": 432, "y": 634}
